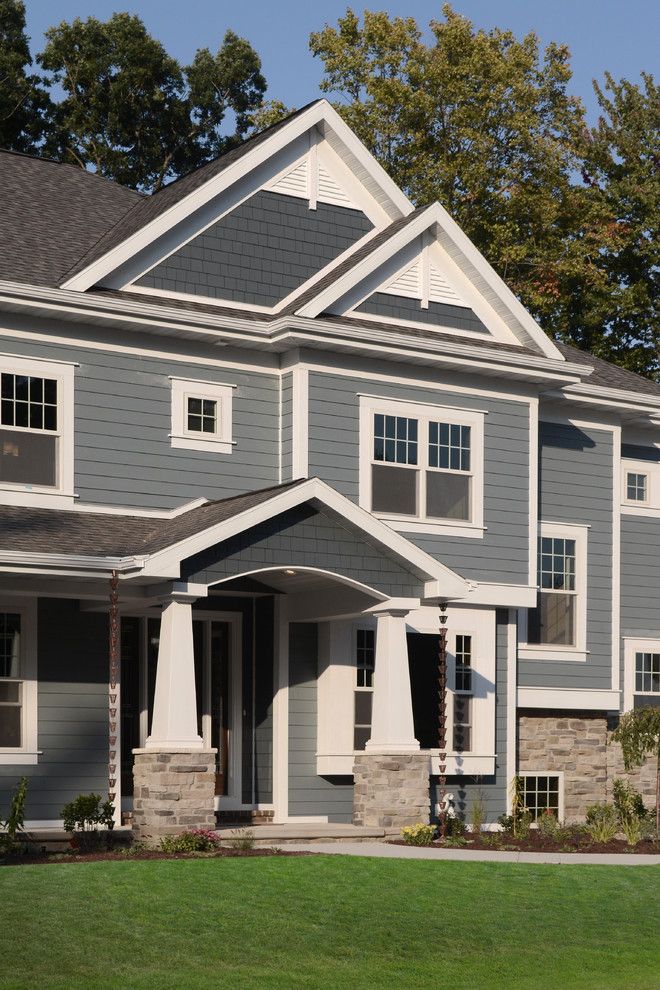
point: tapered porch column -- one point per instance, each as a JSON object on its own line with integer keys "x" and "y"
{"x": 392, "y": 728}
{"x": 391, "y": 777}
{"x": 174, "y": 775}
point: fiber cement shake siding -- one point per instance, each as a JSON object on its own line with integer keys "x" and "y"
{"x": 502, "y": 554}
{"x": 576, "y": 486}
{"x": 123, "y": 453}
{"x": 72, "y": 666}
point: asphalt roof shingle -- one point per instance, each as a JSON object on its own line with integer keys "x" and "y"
{"x": 608, "y": 375}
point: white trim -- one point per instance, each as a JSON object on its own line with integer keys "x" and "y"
{"x": 616, "y": 560}
{"x": 300, "y": 422}
{"x": 62, "y": 493}
{"x": 511, "y": 713}
{"x": 27, "y": 753}
{"x": 550, "y": 773}
{"x": 631, "y": 646}
{"x": 319, "y": 112}
{"x": 181, "y": 437}
{"x": 281, "y": 713}
{"x": 578, "y": 651}
{"x": 651, "y": 504}
{"x": 533, "y": 489}
{"x": 569, "y": 698}
{"x": 502, "y": 595}
{"x": 372, "y": 405}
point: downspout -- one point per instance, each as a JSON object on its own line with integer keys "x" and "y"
{"x": 442, "y": 719}
{"x": 113, "y": 695}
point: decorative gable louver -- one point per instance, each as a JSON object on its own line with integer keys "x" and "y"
{"x": 329, "y": 191}
{"x": 311, "y": 180}
{"x": 441, "y": 291}
{"x": 409, "y": 284}
{"x": 294, "y": 183}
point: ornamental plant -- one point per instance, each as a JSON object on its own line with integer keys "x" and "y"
{"x": 193, "y": 840}
{"x": 13, "y": 827}
{"x": 601, "y": 822}
{"x": 638, "y": 734}
{"x": 84, "y": 816}
{"x": 418, "y": 835}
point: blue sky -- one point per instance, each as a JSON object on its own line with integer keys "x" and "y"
{"x": 619, "y": 35}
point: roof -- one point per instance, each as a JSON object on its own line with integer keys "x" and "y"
{"x": 98, "y": 534}
{"x": 608, "y": 375}
{"x": 52, "y": 213}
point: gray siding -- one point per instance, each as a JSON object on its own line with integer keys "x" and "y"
{"x": 263, "y": 701}
{"x": 305, "y": 538}
{"x": 437, "y": 314}
{"x": 640, "y": 582}
{"x": 576, "y": 486}
{"x": 123, "y": 454}
{"x": 492, "y": 789}
{"x": 261, "y": 251}
{"x": 72, "y": 712}
{"x": 310, "y": 794}
{"x": 502, "y": 555}
{"x": 286, "y": 427}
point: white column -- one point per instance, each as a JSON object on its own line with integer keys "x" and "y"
{"x": 174, "y": 721}
{"x": 281, "y": 712}
{"x": 392, "y": 729}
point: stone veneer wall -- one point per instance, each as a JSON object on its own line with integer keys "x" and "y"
{"x": 577, "y": 744}
{"x": 391, "y": 791}
{"x": 173, "y": 791}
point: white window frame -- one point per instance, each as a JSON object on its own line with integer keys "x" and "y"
{"x": 630, "y": 648}
{"x": 561, "y": 813}
{"x": 27, "y": 753}
{"x": 578, "y": 651}
{"x": 423, "y": 412}
{"x": 359, "y": 688}
{"x": 219, "y": 392}
{"x": 62, "y": 493}
{"x": 650, "y": 506}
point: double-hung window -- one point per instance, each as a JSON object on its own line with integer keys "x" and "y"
{"x": 36, "y": 426}
{"x": 18, "y": 685}
{"x": 462, "y": 720}
{"x": 422, "y": 467}
{"x": 202, "y": 415}
{"x": 365, "y": 663}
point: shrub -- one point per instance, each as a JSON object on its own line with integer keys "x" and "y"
{"x": 630, "y": 810}
{"x": 547, "y": 824}
{"x": 13, "y": 827}
{"x": 418, "y": 835}
{"x": 454, "y": 827}
{"x": 477, "y": 814}
{"x": 518, "y": 825}
{"x": 242, "y": 840}
{"x": 86, "y": 813}
{"x": 601, "y": 822}
{"x": 194, "y": 840}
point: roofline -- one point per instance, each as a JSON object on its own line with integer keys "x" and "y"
{"x": 430, "y": 215}
{"x": 320, "y": 112}
{"x": 283, "y": 330}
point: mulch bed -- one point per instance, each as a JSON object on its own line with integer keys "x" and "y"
{"x": 538, "y": 843}
{"x": 143, "y": 854}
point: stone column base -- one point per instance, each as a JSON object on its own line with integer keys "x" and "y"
{"x": 391, "y": 791}
{"x": 173, "y": 790}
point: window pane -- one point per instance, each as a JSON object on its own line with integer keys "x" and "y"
{"x": 28, "y": 458}
{"x": 636, "y": 487}
{"x": 395, "y": 439}
{"x": 449, "y": 446}
{"x": 26, "y": 400}
{"x": 462, "y": 738}
{"x": 447, "y": 495}
{"x": 363, "y": 701}
{"x": 553, "y": 622}
{"x": 10, "y": 644}
{"x": 361, "y": 737}
{"x": 647, "y": 672}
{"x": 393, "y": 489}
{"x": 10, "y": 692}
{"x": 557, "y": 564}
{"x": 10, "y": 725}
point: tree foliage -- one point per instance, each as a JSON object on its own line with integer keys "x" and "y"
{"x": 638, "y": 734}
{"x": 24, "y": 101}
{"x": 132, "y": 112}
{"x": 484, "y": 123}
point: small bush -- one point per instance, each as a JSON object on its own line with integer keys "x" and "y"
{"x": 518, "y": 826}
{"x": 477, "y": 814}
{"x": 242, "y": 840}
{"x": 86, "y": 813}
{"x": 13, "y": 827}
{"x": 601, "y": 823}
{"x": 632, "y": 829}
{"x": 547, "y": 824}
{"x": 418, "y": 835}
{"x": 630, "y": 810}
{"x": 454, "y": 827}
{"x": 194, "y": 840}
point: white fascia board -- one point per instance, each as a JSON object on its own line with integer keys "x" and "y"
{"x": 502, "y": 595}
{"x": 45, "y": 563}
{"x": 320, "y": 113}
{"x": 578, "y": 699}
{"x": 440, "y": 581}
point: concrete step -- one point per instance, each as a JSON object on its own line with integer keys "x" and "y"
{"x": 303, "y": 831}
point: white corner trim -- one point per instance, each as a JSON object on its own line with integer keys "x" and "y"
{"x": 511, "y": 716}
{"x": 533, "y": 490}
{"x": 569, "y": 698}
{"x": 281, "y": 712}
{"x": 300, "y": 423}
{"x": 616, "y": 560}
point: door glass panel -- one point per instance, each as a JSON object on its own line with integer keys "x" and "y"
{"x": 220, "y": 706}
{"x": 131, "y": 628}
{"x": 153, "y": 638}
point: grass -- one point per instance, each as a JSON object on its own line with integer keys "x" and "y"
{"x": 328, "y": 921}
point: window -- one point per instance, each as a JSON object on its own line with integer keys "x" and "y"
{"x": 464, "y": 663}
{"x": 647, "y": 673}
{"x": 542, "y": 792}
{"x": 636, "y": 487}
{"x": 462, "y": 719}
{"x": 18, "y": 688}
{"x": 365, "y": 664}
{"x": 36, "y": 426}
{"x": 422, "y": 466}
{"x": 462, "y": 739}
{"x": 553, "y": 621}
{"x": 202, "y": 415}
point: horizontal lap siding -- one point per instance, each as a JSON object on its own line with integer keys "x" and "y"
{"x": 310, "y": 794}
{"x": 576, "y": 486}
{"x": 640, "y": 580}
{"x": 72, "y": 712}
{"x": 286, "y": 427}
{"x": 123, "y": 453}
{"x": 502, "y": 555}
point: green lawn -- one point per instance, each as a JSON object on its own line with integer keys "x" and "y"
{"x": 331, "y": 922}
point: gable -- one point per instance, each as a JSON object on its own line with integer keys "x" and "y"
{"x": 260, "y": 252}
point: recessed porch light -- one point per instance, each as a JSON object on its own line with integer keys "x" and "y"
{"x": 290, "y": 573}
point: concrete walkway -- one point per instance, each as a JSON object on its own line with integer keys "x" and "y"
{"x": 388, "y": 851}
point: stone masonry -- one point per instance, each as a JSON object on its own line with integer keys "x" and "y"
{"x": 391, "y": 791}
{"x": 173, "y": 792}
{"x": 577, "y": 745}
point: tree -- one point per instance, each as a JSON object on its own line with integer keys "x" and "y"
{"x": 638, "y": 734}
{"x": 132, "y": 113}
{"x": 483, "y": 122}
{"x": 24, "y": 102}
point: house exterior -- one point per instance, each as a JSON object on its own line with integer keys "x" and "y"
{"x": 260, "y": 432}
